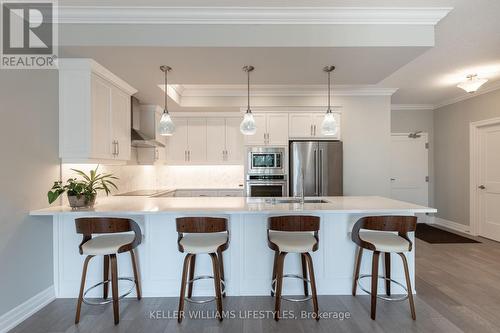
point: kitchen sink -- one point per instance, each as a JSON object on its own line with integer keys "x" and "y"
{"x": 295, "y": 200}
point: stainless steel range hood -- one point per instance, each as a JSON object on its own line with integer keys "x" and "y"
{"x": 142, "y": 139}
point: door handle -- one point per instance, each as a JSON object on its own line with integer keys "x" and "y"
{"x": 481, "y": 187}
{"x": 320, "y": 169}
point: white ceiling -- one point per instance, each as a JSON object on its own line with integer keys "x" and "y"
{"x": 467, "y": 41}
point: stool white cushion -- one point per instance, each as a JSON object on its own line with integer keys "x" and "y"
{"x": 385, "y": 241}
{"x": 106, "y": 244}
{"x": 293, "y": 242}
{"x": 203, "y": 242}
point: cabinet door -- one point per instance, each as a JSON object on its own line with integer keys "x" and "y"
{"x": 277, "y": 129}
{"x": 318, "y": 121}
{"x": 259, "y": 137}
{"x": 121, "y": 123}
{"x": 177, "y": 143}
{"x": 162, "y": 151}
{"x": 230, "y": 193}
{"x": 216, "y": 140}
{"x": 197, "y": 140}
{"x": 235, "y": 146}
{"x": 301, "y": 125}
{"x": 102, "y": 142}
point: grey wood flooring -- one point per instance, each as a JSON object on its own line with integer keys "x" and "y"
{"x": 458, "y": 289}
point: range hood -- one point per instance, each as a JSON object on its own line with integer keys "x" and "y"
{"x": 142, "y": 138}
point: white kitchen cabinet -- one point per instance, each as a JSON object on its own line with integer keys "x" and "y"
{"x": 308, "y": 125}
{"x": 177, "y": 143}
{"x": 272, "y": 129}
{"x": 224, "y": 141}
{"x": 188, "y": 144}
{"x": 94, "y": 113}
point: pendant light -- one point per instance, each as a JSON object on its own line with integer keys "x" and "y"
{"x": 166, "y": 127}
{"x": 329, "y": 125}
{"x": 248, "y": 126}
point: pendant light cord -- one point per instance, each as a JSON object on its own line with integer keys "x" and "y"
{"x": 248, "y": 91}
{"x": 166, "y": 92}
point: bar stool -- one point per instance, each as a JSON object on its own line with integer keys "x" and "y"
{"x": 293, "y": 234}
{"x": 381, "y": 239}
{"x": 202, "y": 235}
{"x": 117, "y": 240}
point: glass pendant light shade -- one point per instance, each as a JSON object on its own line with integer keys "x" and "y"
{"x": 166, "y": 126}
{"x": 329, "y": 124}
{"x": 248, "y": 126}
{"x": 472, "y": 84}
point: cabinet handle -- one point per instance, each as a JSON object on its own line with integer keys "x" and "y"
{"x": 185, "y": 155}
{"x": 189, "y": 155}
{"x": 117, "y": 148}
{"x": 311, "y": 130}
{"x": 157, "y": 154}
{"x": 314, "y": 130}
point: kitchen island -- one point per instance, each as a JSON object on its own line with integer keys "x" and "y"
{"x": 248, "y": 260}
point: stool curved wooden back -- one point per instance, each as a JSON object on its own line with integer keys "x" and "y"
{"x": 388, "y": 224}
{"x": 88, "y": 226}
{"x": 293, "y": 224}
{"x": 201, "y": 225}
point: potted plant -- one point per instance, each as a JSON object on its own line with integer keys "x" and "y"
{"x": 82, "y": 192}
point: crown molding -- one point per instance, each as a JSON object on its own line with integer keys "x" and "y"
{"x": 281, "y": 90}
{"x": 411, "y": 107}
{"x": 251, "y": 15}
{"x": 483, "y": 90}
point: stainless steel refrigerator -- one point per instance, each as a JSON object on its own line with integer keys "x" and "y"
{"x": 319, "y": 165}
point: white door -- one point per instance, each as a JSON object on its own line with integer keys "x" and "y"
{"x": 300, "y": 125}
{"x": 259, "y": 137}
{"x": 489, "y": 182}
{"x": 234, "y": 141}
{"x": 197, "y": 140}
{"x": 277, "y": 129}
{"x": 409, "y": 169}
{"x": 177, "y": 143}
{"x": 216, "y": 140}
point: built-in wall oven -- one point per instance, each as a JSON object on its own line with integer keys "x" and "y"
{"x": 266, "y": 172}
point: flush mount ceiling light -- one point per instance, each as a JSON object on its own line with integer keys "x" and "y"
{"x": 329, "y": 125}
{"x": 472, "y": 84}
{"x": 166, "y": 127}
{"x": 248, "y": 126}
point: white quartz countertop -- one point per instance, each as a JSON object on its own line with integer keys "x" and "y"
{"x": 139, "y": 205}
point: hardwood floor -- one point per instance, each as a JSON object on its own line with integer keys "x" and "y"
{"x": 457, "y": 284}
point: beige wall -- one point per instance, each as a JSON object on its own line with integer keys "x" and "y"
{"x": 407, "y": 121}
{"x": 30, "y": 163}
{"x": 452, "y": 152}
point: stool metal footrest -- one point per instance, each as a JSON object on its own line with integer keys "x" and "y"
{"x": 292, "y": 276}
{"x": 385, "y": 298}
{"x": 203, "y": 301}
{"x": 87, "y": 300}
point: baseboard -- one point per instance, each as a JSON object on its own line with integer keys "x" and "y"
{"x": 450, "y": 224}
{"x": 21, "y": 312}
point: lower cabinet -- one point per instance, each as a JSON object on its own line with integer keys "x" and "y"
{"x": 209, "y": 193}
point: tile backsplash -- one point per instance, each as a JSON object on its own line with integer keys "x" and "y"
{"x": 136, "y": 177}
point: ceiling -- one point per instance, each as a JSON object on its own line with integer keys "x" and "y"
{"x": 467, "y": 41}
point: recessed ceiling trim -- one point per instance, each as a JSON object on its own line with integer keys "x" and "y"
{"x": 411, "y": 107}
{"x": 252, "y": 15}
{"x": 281, "y": 90}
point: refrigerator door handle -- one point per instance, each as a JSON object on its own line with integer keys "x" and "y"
{"x": 315, "y": 172}
{"x": 320, "y": 173}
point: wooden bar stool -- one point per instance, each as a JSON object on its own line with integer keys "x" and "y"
{"x": 293, "y": 234}
{"x": 117, "y": 240}
{"x": 379, "y": 237}
{"x": 202, "y": 235}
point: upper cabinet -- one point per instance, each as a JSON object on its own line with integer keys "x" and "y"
{"x": 205, "y": 141}
{"x": 308, "y": 125}
{"x": 94, "y": 113}
{"x": 272, "y": 130}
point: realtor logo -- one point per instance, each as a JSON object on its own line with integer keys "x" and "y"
{"x": 28, "y": 35}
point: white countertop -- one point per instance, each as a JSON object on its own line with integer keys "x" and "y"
{"x": 139, "y": 205}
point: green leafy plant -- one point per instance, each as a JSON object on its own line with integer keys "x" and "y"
{"x": 87, "y": 187}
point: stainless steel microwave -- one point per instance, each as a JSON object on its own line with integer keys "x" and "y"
{"x": 267, "y": 160}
